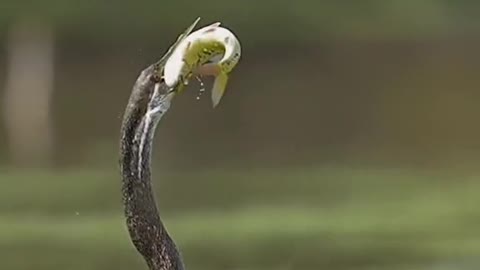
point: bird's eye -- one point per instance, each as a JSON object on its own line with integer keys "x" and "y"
{"x": 156, "y": 78}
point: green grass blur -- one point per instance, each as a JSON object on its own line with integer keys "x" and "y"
{"x": 324, "y": 218}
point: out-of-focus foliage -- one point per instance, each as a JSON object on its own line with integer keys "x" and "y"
{"x": 331, "y": 217}
{"x": 279, "y": 19}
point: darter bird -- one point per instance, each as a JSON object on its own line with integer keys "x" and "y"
{"x": 209, "y": 51}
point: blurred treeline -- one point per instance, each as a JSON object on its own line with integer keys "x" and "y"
{"x": 259, "y": 20}
{"x": 346, "y": 81}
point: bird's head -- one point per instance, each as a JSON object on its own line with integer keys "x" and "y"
{"x": 209, "y": 51}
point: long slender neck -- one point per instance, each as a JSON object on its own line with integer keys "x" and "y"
{"x": 146, "y": 229}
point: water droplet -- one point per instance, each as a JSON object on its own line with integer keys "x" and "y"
{"x": 202, "y": 87}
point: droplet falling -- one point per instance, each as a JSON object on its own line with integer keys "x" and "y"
{"x": 202, "y": 87}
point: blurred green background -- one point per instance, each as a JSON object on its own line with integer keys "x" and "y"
{"x": 347, "y": 139}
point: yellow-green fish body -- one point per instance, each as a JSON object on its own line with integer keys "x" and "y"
{"x": 213, "y": 44}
